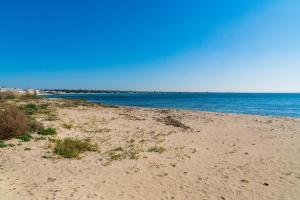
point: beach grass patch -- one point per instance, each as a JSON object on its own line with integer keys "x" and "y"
{"x": 40, "y": 138}
{"x": 170, "y": 121}
{"x": 157, "y": 149}
{"x": 13, "y": 122}
{"x": 47, "y": 131}
{"x": 25, "y": 137}
{"x": 34, "y": 126}
{"x": 51, "y": 117}
{"x": 73, "y": 147}
{"x": 131, "y": 152}
{"x": 67, "y": 126}
{"x": 30, "y": 109}
{"x": 3, "y": 144}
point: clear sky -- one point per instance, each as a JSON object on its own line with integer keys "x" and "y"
{"x": 169, "y": 45}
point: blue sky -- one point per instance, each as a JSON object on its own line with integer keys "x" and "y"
{"x": 170, "y": 45}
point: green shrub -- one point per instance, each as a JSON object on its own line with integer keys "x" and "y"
{"x": 30, "y": 109}
{"x": 47, "y": 131}
{"x": 13, "y": 122}
{"x": 3, "y": 144}
{"x": 25, "y": 137}
{"x": 72, "y": 147}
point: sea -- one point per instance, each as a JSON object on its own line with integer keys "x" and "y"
{"x": 267, "y": 104}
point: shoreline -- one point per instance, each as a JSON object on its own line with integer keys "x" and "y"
{"x": 178, "y": 109}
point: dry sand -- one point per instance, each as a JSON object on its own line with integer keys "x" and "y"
{"x": 221, "y": 156}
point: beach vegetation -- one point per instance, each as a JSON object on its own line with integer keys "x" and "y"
{"x": 3, "y": 144}
{"x": 73, "y": 147}
{"x": 170, "y": 121}
{"x": 40, "y": 138}
{"x": 13, "y": 122}
{"x": 34, "y": 126}
{"x": 25, "y": 137}
{"x": 47, "y": 131}
{"x": 131, "y": 152}
{"x": 51, "y": 117}
{"x": 30, "y": 109}
{"x": 157, "y": 149}
{"x": 67, "y": 126}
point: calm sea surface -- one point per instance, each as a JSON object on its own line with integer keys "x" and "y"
{"x": 244, "y": 103}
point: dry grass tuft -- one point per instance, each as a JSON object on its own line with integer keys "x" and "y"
{"x": 170, "y": 121}
{"x": 13, "y": 122}
{"x": 72, "y": 147}
{"x": 156, "y": 149}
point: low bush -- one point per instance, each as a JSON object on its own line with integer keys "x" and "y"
{"x": 72, "y": 147}
{"x": 13, "y": 122}
{"x": 2, "y": 144}
{"x": 25, "y": 137}
{"x": 30, "y": 109}
{"x": 47, "y": 131}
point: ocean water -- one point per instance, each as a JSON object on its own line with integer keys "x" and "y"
{"x": 241, "y": 103}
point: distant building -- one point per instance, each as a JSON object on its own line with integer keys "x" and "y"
{"x": 30, "y": 91}
{"x": 20, "y": 91}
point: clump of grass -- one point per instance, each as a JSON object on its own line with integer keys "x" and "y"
{"x": 25, "y": 137}
{"x": 157, "y": 149}
{"x": 170, "y": 121}
{"x": 67, "y": 126}
{"x": 47, "y": 131}
{"x": 3, "y": 144}
{"x": 34, "y": 126}
{"x": 30, "y": 109}
{"x": 51, "y": 116}
{"x": 46, "y": 156}
{"x": 117, "y": 154}
{"x": 72, "y": 147}
{"x": 130, "y": 152}
{"x": 40, "y": 138}
{"x": 13, "y": 122}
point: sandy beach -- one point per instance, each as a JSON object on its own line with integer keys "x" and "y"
{"x": 149, "y": 154}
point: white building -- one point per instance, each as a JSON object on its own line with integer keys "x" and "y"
{"x": 19, "y": 90}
